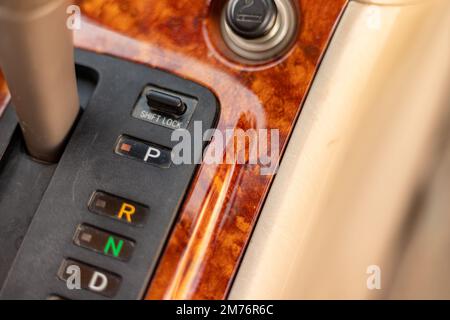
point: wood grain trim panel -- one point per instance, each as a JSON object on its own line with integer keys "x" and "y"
{"x": 221, "y": 209}
{"x": 4, "y": 94}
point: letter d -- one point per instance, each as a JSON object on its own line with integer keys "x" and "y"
{"x": 98, "y": 282}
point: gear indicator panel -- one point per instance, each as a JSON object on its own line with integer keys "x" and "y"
{"x": 110, "y": 205}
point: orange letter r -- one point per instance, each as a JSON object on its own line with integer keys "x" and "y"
{"x": 128, "y": 210}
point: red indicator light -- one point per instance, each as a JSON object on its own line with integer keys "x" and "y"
{"x": 125, "y": 147}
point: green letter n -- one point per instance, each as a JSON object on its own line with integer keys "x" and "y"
{"x": 111, "y": 244}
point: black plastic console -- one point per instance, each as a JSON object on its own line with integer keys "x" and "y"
{"x": 104, "y": 212}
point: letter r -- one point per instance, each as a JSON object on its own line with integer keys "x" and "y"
{"x": 128, "y": 210}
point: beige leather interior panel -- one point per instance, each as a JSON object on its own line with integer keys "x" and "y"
{"x": 423, "y": 270}
{"x": 365, "y": 144}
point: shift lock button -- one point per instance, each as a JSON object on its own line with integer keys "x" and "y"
{"x": 165, "y": 103}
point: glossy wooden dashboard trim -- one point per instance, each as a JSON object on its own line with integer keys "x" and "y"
{"x": 222, "y": 207}
{"x": 4, "y": 94}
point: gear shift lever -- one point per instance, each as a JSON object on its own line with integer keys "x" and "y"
{"x": 36, "y": 56}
